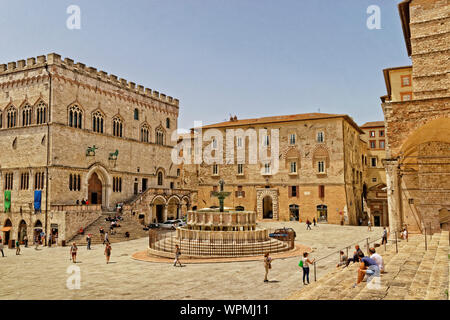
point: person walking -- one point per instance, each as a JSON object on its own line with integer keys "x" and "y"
{"x": 308, "y": 224}
{"x": 385, "y": 236}
{"x": 17, "y": 247}
{"x": 305, "y": 266}
{"x": 1, "y": 248}
{"x": 25, "y": 241}
{"x": 369, "y": 225}
{"x": 49, "y": 240}
{"x": 267, "y": 265}
{"x": 106, "y": 240}
{"x": 73, "y": 252}
{"x": 314, "y": 221}
{"x": 102, "y": 232}
{"x": 108, "y": 252}
{"x": 177, "y": 256}
{"x": 88, "y": 240}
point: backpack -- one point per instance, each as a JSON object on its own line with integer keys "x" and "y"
{"x": 300, "y": 264}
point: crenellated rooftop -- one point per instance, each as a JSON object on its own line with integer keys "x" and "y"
{"x": 55, "y": 59}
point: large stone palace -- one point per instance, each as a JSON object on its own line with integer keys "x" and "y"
{"x": 417, "y": 118}
{"x": 70, "y": 133}
{"x": 321, "y": 164}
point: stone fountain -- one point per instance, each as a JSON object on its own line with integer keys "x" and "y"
{"x": 218, "y": 233}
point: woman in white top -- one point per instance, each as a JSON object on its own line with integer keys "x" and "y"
{"x": 378, "y": 259}
{"x": 306, "y": 263}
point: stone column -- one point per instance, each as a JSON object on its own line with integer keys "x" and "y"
{"x": 165, "y": 212}
{"x": 393, "y": 194}
{"x": 150, "y": 215}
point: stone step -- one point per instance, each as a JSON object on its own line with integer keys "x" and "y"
{"x": 439, "y": 278}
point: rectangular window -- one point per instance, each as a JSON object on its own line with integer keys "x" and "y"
{"x": 381, "y": 133}
{"x": 266, "y": 141}
{"x": 321, "y": 166}
{"x": 293, "y": 191}
{"x": 372, "y": 134}
{"x": 240, "y": 193}
{"x": 406, "y": 81}
{"x": 39, "y": 181}
{"x": 382, "y": 145}
{"x": 240, "y": 168}
{"x": 214, "y": 143}
{"x": 320, "y": 137}
{"x": 406, "y": 96}
{"x": 321, "y": 192}
{"x": 213, "y": 190}
{"x": 374, "y": 179}
{"x": 9, "y": 178}
{"x": 292, "y": 138}
{"x": 373, "y": 162}
{"x": 117, "y": 184}
{"x": 24, "y": 181}
{"x": 267, "y": 168}
{"x": 293, "y": 167}
{"x": 239, "y": 142}
{"x": 373, "y": 144}
{"x": 215, "y": 169}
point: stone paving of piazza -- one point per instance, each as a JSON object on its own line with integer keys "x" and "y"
{"x": 42, "y": 274}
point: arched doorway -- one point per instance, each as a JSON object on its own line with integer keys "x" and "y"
{"x": 173, "y": 208}
{"x": 322, "y": 213}
{"x": 159, "y": 210}
{"x": 22, "y": 231}
{"x": 95, "y": 189}
{"x": 7, "y": 231}
{"x": 37, "y": 231}
{"x": 294, "y": 212}
{"x": 267, "y": 207}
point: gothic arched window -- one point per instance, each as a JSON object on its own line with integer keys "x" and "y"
{"x": 11, "y": 117}
{"x": 75, "y": 117}
{"x": 117, "y": 127}
{"x": 159, "y": 136}
{"x": 97, "y": 122}
{"x": 160, "y": 178}
{"x": 41, "y": 113}
{"x": 145, "y": 133}
{"x": 26, "y": 115}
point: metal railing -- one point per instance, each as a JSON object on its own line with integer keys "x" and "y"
{"x": 165, "y": 241}
{"x": 367, "y": 241}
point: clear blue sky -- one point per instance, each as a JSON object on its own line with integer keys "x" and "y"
{"x": 251, "y": 58}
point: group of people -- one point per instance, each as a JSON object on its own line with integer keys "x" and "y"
{"x": 371, "y": 265}
{"x": 74, "y": 250}
{"x": 308, "y": 223}
{"x": 83, "y": 202}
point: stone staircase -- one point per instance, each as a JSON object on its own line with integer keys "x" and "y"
{"x": 411, "y": 274}
{"x": 129, "y": 224}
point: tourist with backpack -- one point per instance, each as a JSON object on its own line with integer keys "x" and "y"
{"x": 17, "y": 247}
{"x": 308, "y": 224}
{"x": 304, "y": 264}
